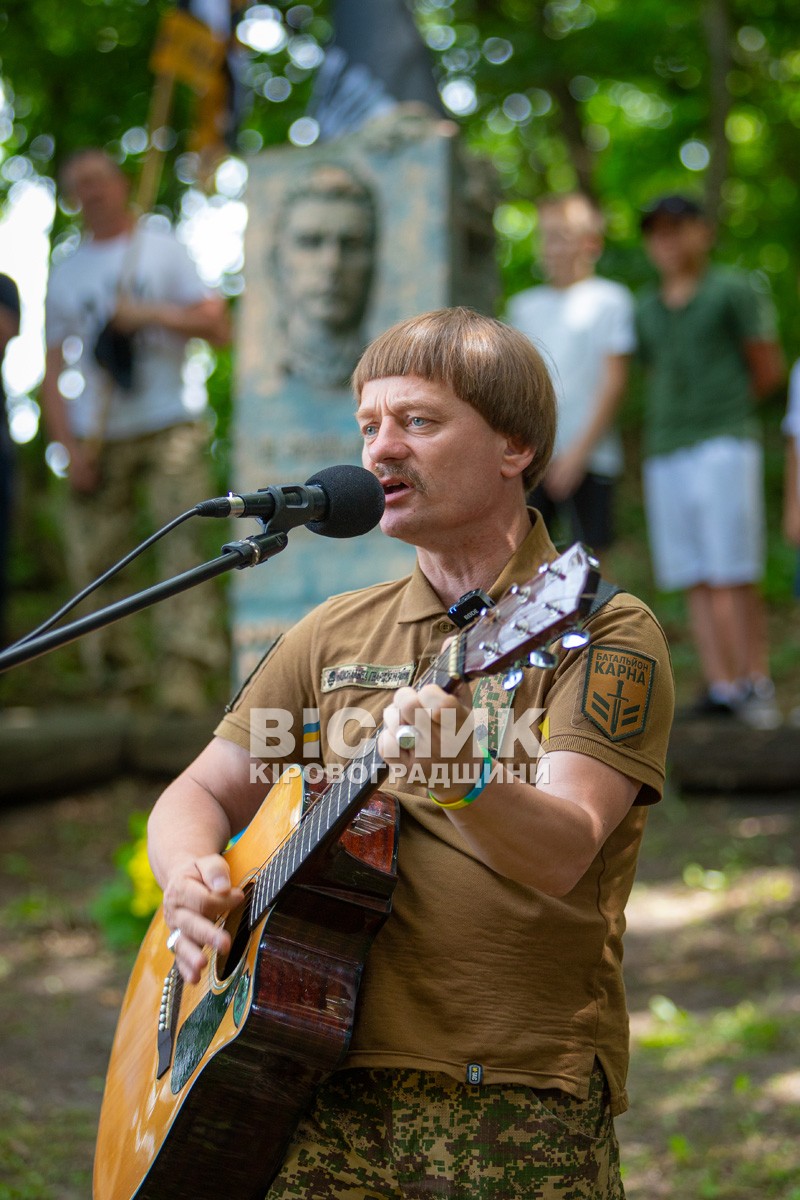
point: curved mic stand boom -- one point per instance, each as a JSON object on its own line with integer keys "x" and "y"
{"x": 248, "y": 552}
{"x": 339, "y": 502}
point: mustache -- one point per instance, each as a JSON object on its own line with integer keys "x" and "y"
{"x": 403, "y": 475}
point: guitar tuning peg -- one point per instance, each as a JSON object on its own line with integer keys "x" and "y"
{"x": 589, "y": 555}
{"x": 574, "y": 639}
{"x": 512, "y": 678}
{"x": 543, "y": 660}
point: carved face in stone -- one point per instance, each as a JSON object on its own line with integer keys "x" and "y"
{"x": 326, "y": 251}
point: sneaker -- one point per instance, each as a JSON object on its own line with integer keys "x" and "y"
{"x": 706, "y": 706}
{"x": 758, "y": 707}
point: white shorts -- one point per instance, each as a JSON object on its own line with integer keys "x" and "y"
{"x": 705, "y": 514}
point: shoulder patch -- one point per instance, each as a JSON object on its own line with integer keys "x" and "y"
{"x": 366, "y": 675}
{"x": 617, "y": 689}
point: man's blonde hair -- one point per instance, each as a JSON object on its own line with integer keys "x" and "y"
{"x": 578, "y": 208}
{"x": 484, "y": 362}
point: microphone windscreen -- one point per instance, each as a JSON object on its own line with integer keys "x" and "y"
{"x": 355, "y": 501}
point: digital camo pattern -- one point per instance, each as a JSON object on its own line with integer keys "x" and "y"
{"x": 408, "y": 1134}
{"x": 161, "y": 471}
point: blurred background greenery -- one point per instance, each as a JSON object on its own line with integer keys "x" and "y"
{"x": 626, "y": 101}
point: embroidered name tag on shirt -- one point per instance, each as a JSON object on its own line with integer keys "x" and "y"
{"x": 616, "y": 694}
{"x": 366, "y": 675}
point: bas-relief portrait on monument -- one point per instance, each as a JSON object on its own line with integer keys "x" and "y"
{"x": 323, "y": 262}
{"x": 342, "y": 241}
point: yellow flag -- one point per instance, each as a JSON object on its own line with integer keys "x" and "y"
{"x": 188, "y": 50}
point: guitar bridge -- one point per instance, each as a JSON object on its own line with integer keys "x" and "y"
{"x": 168, "y": 1018}
{"x": 368, "y": 822}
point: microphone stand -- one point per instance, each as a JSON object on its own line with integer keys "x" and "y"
{"x": 248, "y": 552}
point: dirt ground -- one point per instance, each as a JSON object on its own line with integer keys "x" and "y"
{"x": 712, "y": 967}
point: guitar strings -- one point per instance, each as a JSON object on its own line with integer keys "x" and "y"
{"x": 327, "y": 799}
{"x": 263, "y": 881}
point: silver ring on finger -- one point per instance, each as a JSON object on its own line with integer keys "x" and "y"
{"x": 406, "y": 737}
{"x": 172, "y": 940}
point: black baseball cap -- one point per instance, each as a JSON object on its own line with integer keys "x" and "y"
{"x": 670, "y": 206}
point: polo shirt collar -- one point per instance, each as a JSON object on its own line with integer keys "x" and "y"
{"x": 420, "y": 602}
{"x": 527, "y": 558}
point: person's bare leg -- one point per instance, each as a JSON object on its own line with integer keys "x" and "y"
{"x": 710, "y": 639}
{"x": 757, "y": 663}
{"x": 758, "y": 707}
{"x": 733, "y": 622}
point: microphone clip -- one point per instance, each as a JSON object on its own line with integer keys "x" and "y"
{"x": 293, "y": 506}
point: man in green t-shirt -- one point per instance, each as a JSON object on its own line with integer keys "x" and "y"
{"x": 708, "y": 344}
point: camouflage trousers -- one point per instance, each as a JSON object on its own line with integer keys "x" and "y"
{"x": 146, "y": 482}
{"x": 407, "y": 1134}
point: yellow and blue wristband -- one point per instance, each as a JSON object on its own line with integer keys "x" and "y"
{"x": 480, "y": 784}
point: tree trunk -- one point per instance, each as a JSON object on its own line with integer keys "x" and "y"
{"x": 716, "y": 21}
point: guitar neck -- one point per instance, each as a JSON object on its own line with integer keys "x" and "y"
{"x": 526, "y": 617}
{"x": 337, "y": 804}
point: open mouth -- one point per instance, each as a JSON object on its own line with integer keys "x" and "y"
{"x": 392, "y": 488}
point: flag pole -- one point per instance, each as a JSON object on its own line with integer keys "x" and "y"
{"x": 160, "y": 108}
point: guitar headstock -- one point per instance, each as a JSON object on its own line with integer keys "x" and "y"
{"x": 530, "y": 615}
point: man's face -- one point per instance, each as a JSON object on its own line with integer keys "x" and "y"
{"x": 440, "y": 463}
{"x": 100, "y": 190}
{"x": 326, "y": 259}
{"x": 677, "y": 243}
{"x": 566, "y": 247}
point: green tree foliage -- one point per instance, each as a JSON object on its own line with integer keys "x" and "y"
{"x": 78, "y": 73}
{"x": 625, "y": 100}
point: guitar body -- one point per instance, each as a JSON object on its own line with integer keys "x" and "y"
{"x": 207, "y": 1081}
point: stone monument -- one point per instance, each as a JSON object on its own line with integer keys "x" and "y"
{"x": 343, "y": 240}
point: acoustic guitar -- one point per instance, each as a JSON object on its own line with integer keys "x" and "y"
{"x": 207, "y": 1081}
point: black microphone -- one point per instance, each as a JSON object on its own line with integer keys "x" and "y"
{"x": 338, "y": 502}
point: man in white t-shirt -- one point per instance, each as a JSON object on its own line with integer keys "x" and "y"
{"x": 119, "y": 314}
{"x": 584, "y": 325}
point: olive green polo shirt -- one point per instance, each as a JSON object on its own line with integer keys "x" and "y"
{"x": 471, "y": 967}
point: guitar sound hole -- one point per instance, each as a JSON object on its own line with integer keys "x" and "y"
{"x": 237, "y": 926}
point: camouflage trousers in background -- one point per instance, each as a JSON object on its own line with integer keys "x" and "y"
{"x": 407, "y": 1134}
{"x": 159, "y": 476}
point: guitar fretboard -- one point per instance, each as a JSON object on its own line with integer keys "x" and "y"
{"x": 323, "y": 822}
{"x": 526, "y": 617}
